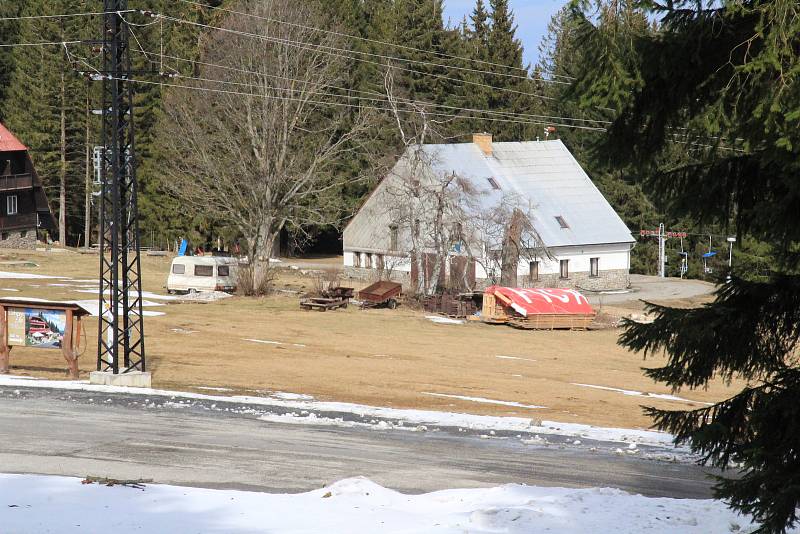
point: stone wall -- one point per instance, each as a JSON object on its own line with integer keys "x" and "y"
{"x": 18, "y": 239}
{"x": 607, "y": 281}
{"x": 363, "y": 275}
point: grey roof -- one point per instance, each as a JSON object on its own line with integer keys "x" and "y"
{"x": 546, "y": 174}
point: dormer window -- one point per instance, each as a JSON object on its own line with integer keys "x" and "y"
{"x": 561, "y": 222}
{"x": 493, "y": 183}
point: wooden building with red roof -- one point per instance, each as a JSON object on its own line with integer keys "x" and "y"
{"x": 25, "y": 215}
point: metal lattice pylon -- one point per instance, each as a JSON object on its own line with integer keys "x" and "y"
{"x": 121, "y": 329}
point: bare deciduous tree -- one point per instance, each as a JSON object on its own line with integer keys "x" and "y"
{"x": 443, "y": 215}
{"x": 254, "y": 144}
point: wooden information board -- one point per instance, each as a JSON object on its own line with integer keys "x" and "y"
{"x": 40, "y": 324}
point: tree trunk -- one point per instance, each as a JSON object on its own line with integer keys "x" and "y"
{"x": 510, "y": 253}
{"x": 62, "y": 177}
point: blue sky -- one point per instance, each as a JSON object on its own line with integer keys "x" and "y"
{"x": 531, "y": 16}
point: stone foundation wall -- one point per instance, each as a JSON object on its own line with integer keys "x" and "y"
{"x": 364, "y": 275}
{"x": 607, "y": 281}
{"x": 15, "y": 239}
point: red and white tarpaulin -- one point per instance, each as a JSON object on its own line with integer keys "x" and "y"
{"x": 529, "y": 301}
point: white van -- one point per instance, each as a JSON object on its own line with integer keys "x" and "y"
{"x": 189, "y": 274}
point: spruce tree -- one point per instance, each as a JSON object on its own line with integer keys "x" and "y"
{"x": 506, "y": 52}
{"x": 45, "y": 107}
{"x": 9, "y": 31}
{"x": 721, "y": 81}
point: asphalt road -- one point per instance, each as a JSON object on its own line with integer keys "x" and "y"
{"x": 78, "y": 434}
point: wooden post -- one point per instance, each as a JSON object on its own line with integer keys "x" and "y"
{"x": 4, "y": 348}
{"x": 67, "y": 348}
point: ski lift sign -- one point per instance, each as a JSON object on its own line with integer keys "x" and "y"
{"x": 656, "y": 233}
{"x": 29, "y": 327}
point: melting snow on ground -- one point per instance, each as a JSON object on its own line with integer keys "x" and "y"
{"x": 640, "y": 394}
{"x": 30, "y": 503}
{"x": 23, "y": 276}
{"x": 269, "y": 342}
{"x": 482, "y": 400}
{"x": 438, "y": 319}
{"x": 514, "y": 358}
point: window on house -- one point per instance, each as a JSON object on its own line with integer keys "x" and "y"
{"x": 594, "y": 266}
{"x": 533, "y": 271}
{"x": 368, "y": 261}
{"x": 178, "y": 268}
{"x": 224, "y": 270}
{"x": 379, "y": 262}
{"x": 204, "y": 270}
{"x": 4, "y": 236}
{"x": 564, "y": 268}
{"x": 356, "y": 259}
{"x": 11, "y": 205}
{"x": 394, "y": 237}
{"x": 493, "y": 183}
{"x": 561, "y": 222}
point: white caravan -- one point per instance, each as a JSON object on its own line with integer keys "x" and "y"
{"x": 189, "y": 274}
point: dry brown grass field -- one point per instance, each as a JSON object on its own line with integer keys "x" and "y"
{"x": 378, "y": 357}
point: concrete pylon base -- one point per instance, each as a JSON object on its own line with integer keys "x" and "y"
{"x": 136, "y": 379}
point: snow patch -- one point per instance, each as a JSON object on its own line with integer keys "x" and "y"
{"x": 482, "y": 400}
{"x": 5, "y": 275}
{"x": 33, "y": 503}
{"x": 438, "y": 319}
{"x": 634, "y": 393}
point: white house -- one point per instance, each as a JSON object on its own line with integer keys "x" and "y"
{"x": 588, "y": 246}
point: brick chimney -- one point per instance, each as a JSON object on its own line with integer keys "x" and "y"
{"x": 484, "y": 142}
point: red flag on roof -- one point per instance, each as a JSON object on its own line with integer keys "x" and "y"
{"x": 528, "y": 301}
{"x": 9, "y": 143}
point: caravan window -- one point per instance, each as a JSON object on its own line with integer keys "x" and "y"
{"x": 178, "y": 268}
{"x": 223, "y": 270}
{"x": 204, "y": 270}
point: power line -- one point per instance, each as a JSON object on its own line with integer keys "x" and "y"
{"x": 44, "y": 43}
{"x": 67, "y": 15}
{"x": 368, "y": 40}
{"x": 382, "y": 97}
{"x": 333, "y": 51}
{"x": 348, "y": 105}
{"x": 520, "y": 116}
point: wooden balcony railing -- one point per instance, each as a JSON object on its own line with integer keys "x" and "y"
{"x": 15, "y": 182}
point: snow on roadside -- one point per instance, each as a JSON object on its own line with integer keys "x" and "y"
{"x": 31, "y": 503}
{"x": 407, "y": 416}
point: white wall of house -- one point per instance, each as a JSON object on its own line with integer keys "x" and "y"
{"x": 614, "y": 256}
